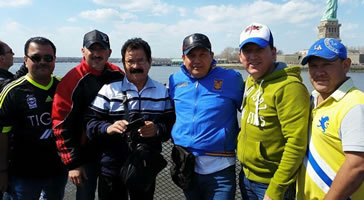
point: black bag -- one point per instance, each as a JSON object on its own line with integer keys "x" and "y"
{"x": 142, "y": 167}
{"x": 144, "y": 163}
{"x": 183, "y": 167}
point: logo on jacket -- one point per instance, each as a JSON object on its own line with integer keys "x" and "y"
{"x": 48, "y": 133}
{"x": 48, "y": 99}
{"x": 182, "y": 84}
{"x": 218, "y": 84}
{"x": 324, "y": 123}
{"x": 32, "y": 101}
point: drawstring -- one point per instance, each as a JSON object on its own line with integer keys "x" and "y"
{"x": 257, "y": 102}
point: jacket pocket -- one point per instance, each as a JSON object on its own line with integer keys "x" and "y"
{"x": 255, "y": 160}
{"x": 261, "y": 150}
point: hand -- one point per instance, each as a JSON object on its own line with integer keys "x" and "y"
{"x": 117, "y": 127}
{"x": 3, "y": 181}
{"x": 266, "y": 197}
{"x": 148, "y": 130}
{"x": 77, "y": 175}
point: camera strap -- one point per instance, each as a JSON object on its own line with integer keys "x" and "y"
{"x": 126, "y": 107}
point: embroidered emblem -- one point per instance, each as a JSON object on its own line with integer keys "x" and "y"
{"x": 324, "y": 123}
{"x": 253, "y": 28}
{"x": 32, "y": 101}
{"x": 218, "y": 84}
{"x": 317, "y": 47}
{"x": 331, "y": 44}
{"x": 49, "y": 99}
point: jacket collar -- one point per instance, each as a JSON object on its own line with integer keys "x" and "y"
{"x": 339, "y": 93}
{"x": 130, "y": 86}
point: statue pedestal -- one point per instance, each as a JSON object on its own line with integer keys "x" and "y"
{"x": 329, "y": 29}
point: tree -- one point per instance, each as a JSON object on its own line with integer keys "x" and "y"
{"x": 279, "y": 52}
{"x": 230, "y": 53}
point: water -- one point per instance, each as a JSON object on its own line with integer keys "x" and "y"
{"x": 162, "y": 73}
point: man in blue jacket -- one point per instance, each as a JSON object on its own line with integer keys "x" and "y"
{"x": 206, "y": 101}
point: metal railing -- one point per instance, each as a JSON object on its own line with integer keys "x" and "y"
{"x": 165, "y": 188}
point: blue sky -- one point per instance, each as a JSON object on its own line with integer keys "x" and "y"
{"x": 164, "y": 24}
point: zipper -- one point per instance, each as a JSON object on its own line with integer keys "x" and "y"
{"x": 195, "y": 106}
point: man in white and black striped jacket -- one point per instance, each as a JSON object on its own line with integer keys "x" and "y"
{"x": 108, "y": 117}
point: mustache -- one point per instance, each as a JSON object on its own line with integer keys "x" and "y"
{"x": 42, "y": 65}
{"x": 134, "y": 71}
{"x": 96, "y": 58}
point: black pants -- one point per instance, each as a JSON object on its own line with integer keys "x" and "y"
{"x": 111, "y": 188}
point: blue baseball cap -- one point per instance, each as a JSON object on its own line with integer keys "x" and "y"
{"x": 326, "y": 48}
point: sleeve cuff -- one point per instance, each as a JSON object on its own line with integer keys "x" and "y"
{"x": 275, "y": 191}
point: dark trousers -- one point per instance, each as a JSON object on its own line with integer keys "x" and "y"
{"x": 111, "y": 188}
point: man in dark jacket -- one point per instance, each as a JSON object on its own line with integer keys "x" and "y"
{"x": 75, "y": 92}
{"x": 6, "y": 61}
{"x": 110, "y": 116}
{"x": 32, "y": 163}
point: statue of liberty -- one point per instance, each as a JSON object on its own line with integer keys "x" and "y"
{"x": 330, "y": 12}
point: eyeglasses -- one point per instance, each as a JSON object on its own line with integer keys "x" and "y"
{"x": 10, "y": 51}
{"x": 138, "y": 62}
{"x": 38, "y": 58}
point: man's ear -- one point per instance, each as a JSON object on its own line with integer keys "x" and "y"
{"x": 347, "y": 64}
{"x": 274, "y": 54}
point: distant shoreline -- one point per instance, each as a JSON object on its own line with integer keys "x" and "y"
{"x": 353, "y": 68}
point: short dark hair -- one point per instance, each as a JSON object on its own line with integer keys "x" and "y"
{"x": 2, "y": 48}
{"x": 40, "y": 41}
{"x": 136, "y": 43}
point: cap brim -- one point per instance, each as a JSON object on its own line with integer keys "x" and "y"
{"x": 258, "y": 41}
{"x": 330, "y": 59}
{"x": 91, "y": 42}
{"x": 185, "y": 52}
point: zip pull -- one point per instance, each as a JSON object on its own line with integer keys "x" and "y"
{"x": 196, "y": 84}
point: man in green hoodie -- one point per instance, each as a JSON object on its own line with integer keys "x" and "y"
{"x": 275, "y": 111}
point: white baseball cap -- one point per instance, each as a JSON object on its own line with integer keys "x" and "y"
{"x": 256, "y": 33}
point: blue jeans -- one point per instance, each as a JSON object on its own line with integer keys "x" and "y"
{"x": 87, "y": 190}
{"x": 215, "y": 186}
{"x": 31, "y": 188}
{"x": 251, "y": 190}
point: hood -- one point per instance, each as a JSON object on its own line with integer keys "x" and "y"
{"x": 282, "y": 70}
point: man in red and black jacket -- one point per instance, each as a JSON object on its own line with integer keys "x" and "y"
{"x": 73, "y": 96}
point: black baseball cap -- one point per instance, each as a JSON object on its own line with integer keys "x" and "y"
{"x": 195, "y": 40}
{"x": 98, "y": 37}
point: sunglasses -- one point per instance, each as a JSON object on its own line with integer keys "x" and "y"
{"x": 38, "y": 58}
{"x": 10, "y": 51}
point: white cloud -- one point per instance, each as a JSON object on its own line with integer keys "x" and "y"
{"x": 182, "y": 12}
{"x": 14, "y": 3}
{"x": 262, "y": 11}
{"x": 352, "y": 2}
{"x": 104, "y": 14}
{"x": 72, "y": 19}
{"x": 348, "y": 31}
{"x": 222, "y": 24}
{"x": 155, "y": 7}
